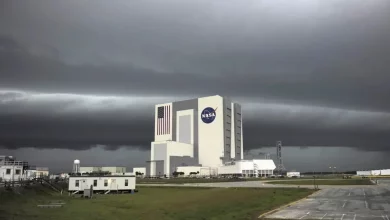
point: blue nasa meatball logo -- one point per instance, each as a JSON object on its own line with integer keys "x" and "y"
{"x": 208, "y": 115}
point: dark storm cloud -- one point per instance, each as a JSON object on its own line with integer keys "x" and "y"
{"x": 310, "y": 73}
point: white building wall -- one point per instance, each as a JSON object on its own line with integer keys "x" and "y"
{"x": 30, "y": 174}
{"x": 263, "y": 167}
{"x": 375, "y": 172}
{"x": 167, "y": 137}
{"x": 113, "y": 183}
{"x": 230, "y": 169}
{"x": 167, "y": 149}
{"x": 12, "y": 175}
{"x": 363, "y": 173}
{"x": 211, "y": 136}
{"x": 181, "y": 115}
{"x": 233, "y": 135}
{"x": 177, "y": 149}
{"x": 291, "y": 174}
{"x": 385, "y": 172}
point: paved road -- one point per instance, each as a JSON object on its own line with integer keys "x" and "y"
{"x": 259, "y": 184}
{"x": 358, "y": 202}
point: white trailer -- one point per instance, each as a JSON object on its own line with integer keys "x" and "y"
{"x": 293, "y": 174}
{"x": 104, "y": 184}
{"x": 11, "y": 172}
{"x": 363, "y": 173}
{"x": 385, "y": 172}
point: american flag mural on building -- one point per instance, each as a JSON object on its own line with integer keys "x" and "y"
{"x": 163, "y": 120}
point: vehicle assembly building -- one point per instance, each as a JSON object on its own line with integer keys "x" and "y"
{"x": 198, "y": 133}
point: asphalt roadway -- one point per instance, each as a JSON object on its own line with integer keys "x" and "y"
{"x": 347, "y": 202}
{"x": 251, "y": 184}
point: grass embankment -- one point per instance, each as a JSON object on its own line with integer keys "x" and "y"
{"x": 324, "y": 182}
{"x": 151, "y": 203}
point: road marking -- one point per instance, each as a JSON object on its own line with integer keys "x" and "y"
{"x": 364, "y": 193}
{"x": 344, "y": 204}
{"x": 387, "y": 217}
{"x": 324, "y": 215}
{"x": 366, "y": 204}
{"x": 304, "y": 215}
{"x": 383, "y": 216}
{"x": 349, "y": 193}
{"x": 354, "y": 217}
{"x": 342, "y": 217}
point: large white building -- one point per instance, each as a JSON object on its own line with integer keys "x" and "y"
{"x": 203, "y": 132}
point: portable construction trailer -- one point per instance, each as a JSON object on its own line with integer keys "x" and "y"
{"x": 293, "y": 174}
{"x": 363, "y": 173}
{"x": 104, "y": 184}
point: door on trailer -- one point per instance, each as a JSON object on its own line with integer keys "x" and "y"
{"x": 113, "y": 184}
{"x": 84, "y": 184}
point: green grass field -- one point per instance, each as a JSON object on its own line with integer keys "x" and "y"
{"x": 192, "y": 180}
{"x": 324, "y": 182}
{"x": 150, "y": 203}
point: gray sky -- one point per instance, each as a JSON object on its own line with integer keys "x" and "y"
{"x": 79, "y": 74}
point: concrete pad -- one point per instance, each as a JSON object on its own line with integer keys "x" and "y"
{"x": 343, "y": 203}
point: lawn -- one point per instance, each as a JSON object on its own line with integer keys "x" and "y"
{"x": 163, "y": 203}
{"x": 193, "y": 180}
{"x": 324, "y": 182}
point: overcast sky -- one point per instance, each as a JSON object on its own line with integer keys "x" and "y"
{"x": 79, "y": 79}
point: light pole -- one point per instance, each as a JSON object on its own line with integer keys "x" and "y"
{"x": 333, "y": 169}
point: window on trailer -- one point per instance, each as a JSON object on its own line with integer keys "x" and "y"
{"x": 126, "y": 182}
{"x": 8, "y": 171}
{"x": 77, "y": 183}
{"x": 17, "y": 172}
{"x": 94, "y": 183}
{"x": 105, "y": 182}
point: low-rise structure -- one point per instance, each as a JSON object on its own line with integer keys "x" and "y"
{"x": 248, "y": 168}
{"x": 9, "y": 173}
{"x": 42, "y": 172}
{"x": 102, "y": 183}
{"x": 293, "y": 174}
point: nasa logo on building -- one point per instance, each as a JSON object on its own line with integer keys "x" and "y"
{"x": 208, "y": 115}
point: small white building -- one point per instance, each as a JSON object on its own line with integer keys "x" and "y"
{"x": 41, "y": 172}
{"x": 11, "y": 173}
{"x": 363, "y": 173}
{"x": 248, "y": 168}
{"x": 30, "y": 173}
{"x": 375, "y": 172}
{"x": 102, "y": 183}
{"x": 293, "y": 174}
{"x": 385, "y": 172}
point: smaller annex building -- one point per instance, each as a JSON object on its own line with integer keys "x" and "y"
{"x": 104, "y": 184}
{"x": 248, "y": 168}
